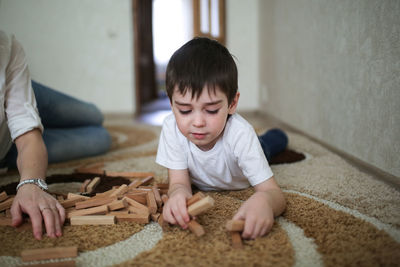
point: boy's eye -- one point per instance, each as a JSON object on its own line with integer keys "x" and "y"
{"x": 184, "y": 111}
{"x": 213, "y": 111}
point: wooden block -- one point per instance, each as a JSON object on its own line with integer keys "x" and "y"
{"x": 157, "y": 196}
{"x": 94, "y": 202}
{"x": 162, "y": 185}
{"x": 106, "y": 193}
{"x": 135, "y": 183}
{"x": 137, "y": 205}
{"x": 101, "y": 210}
{"x": 196, "y": 197}
{"x": 3, "y": 196}
{"x": 69, "y": 263}
{"x": 84, "y": 185}
{"x": 138, "y": 218}
{"x": 201, "y": 206}
{"x": 164, "y": 198}
{"x": 118, "y": 212}
{"x": 92, "y": 185}
{"x": 73, "y": 196}
{"x": 118, "y": 204}
{"x": 151, "y": 202}
{"x": 49, "y": 253}
{"x": 155, "y": 216}
{"x": 147, "y": 180}
{"x": 92, "y": 220}
{"x": 71, "y": 202}
{"x": 235, "y": 225}
{"x": 4, "y": 221}
{"x": 139, "y": 197}
{"x": 161, "y": 222}
{"x": 6, "y": 204}
{"x": 130, "y": 174}
{"x": 236, "y": 240}
{"x": 96, "y": 165}
{"x": 196, "y": 228}
{"x": 120, "y": 191}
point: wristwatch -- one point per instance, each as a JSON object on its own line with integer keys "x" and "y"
{"x": 39, "y": 182}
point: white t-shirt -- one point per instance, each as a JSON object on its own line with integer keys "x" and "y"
{"x": 18, "y": 112}
{"x": 235, "y": 162}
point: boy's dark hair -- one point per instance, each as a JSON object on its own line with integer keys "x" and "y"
{"x": 202, "y": 62}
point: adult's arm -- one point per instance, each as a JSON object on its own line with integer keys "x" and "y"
{"x": 30, "y": 199}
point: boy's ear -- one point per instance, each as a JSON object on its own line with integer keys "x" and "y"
{"x": 233, "y": 105}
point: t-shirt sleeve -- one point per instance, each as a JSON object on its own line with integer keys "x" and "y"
{"x": 250, "y": 156}
{"x": 171, "y": 151}
{"x": 20, "y": 103}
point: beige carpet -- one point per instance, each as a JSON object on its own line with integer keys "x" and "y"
{"x": 336, "y": 215}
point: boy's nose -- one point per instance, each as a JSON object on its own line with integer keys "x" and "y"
{"x": 199, "y": 120}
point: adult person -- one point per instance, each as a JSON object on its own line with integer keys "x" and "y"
{"x": 71, "y": 129}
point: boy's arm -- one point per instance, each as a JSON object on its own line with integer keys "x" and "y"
{"x": 175, "y": 210}
{"x": 261, "y": 208}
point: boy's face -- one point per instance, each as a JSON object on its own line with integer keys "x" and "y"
{"x": 202, "y": 120}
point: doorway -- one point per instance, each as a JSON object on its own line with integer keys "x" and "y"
{"x": 160, "y": 28}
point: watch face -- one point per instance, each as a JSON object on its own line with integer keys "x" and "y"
{"x": 42, "y": 184}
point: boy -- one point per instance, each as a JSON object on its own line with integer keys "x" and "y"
{"x": 206, "y": 144}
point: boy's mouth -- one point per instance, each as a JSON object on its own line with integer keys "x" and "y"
{"x": 199, "y": 136}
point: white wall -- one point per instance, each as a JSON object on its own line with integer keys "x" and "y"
{"x": 80, "y": 47}
{"x": 332, "y": 70}
{"x": 242, "y": 19}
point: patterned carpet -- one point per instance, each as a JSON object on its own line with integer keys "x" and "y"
{"x": 336, "y": 215}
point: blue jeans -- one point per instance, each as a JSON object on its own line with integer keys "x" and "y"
{"x": 72, "y": 128}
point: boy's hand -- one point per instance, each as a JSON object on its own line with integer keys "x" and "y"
{"x": 257, "y": 214}
{"x": 261, "y": 208}
{"x": 175, "y": 210}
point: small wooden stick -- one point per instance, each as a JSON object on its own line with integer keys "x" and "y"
{"x": 157, "y": 196}
{"x": 201, "y": 206}
{"x": 151, "y": 202}
{"x": 84, "y": 185}
{"x": 73, "y": 196}
{"x": 163, "y": 185}
{"x": 101, "y": 210}
{"x": 139, "y": 197}
{"x": 236, "y": 240}
{"x": 118, "y": 204}
{"x": 94, "y": 202}
{"x": 92, "y": 185}
{"x": 137, "y": 205}
{"x": 49, "y": 253}
{"x": 235, "y": 225}
{"x": 147, "y": 180}
{"x": 196, "y": 197}
{"x": 92, "y": 220}
{"x": 3, "y": 196}
{"x": 6, "y": 204}
{"x": 68, "y": 203}
{"x": 196, "y": 228}
{"x": 120, "y": 191}
{"x": 155, "y": 216}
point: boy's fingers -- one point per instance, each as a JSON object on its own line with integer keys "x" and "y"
{"x": 248, "y": 228}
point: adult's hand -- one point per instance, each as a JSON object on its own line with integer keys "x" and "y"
{"x": 40, "y": 206}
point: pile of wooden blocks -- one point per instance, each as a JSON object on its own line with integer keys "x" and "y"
{"x": 136, "y": 202}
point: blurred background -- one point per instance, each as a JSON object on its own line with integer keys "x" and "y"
{"x": 330, "y": 69}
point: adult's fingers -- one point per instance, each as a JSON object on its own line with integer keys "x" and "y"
{"x": 36, "y": 219}
{"x": 16, "y": 214}
{"x": 49, "y": 220}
